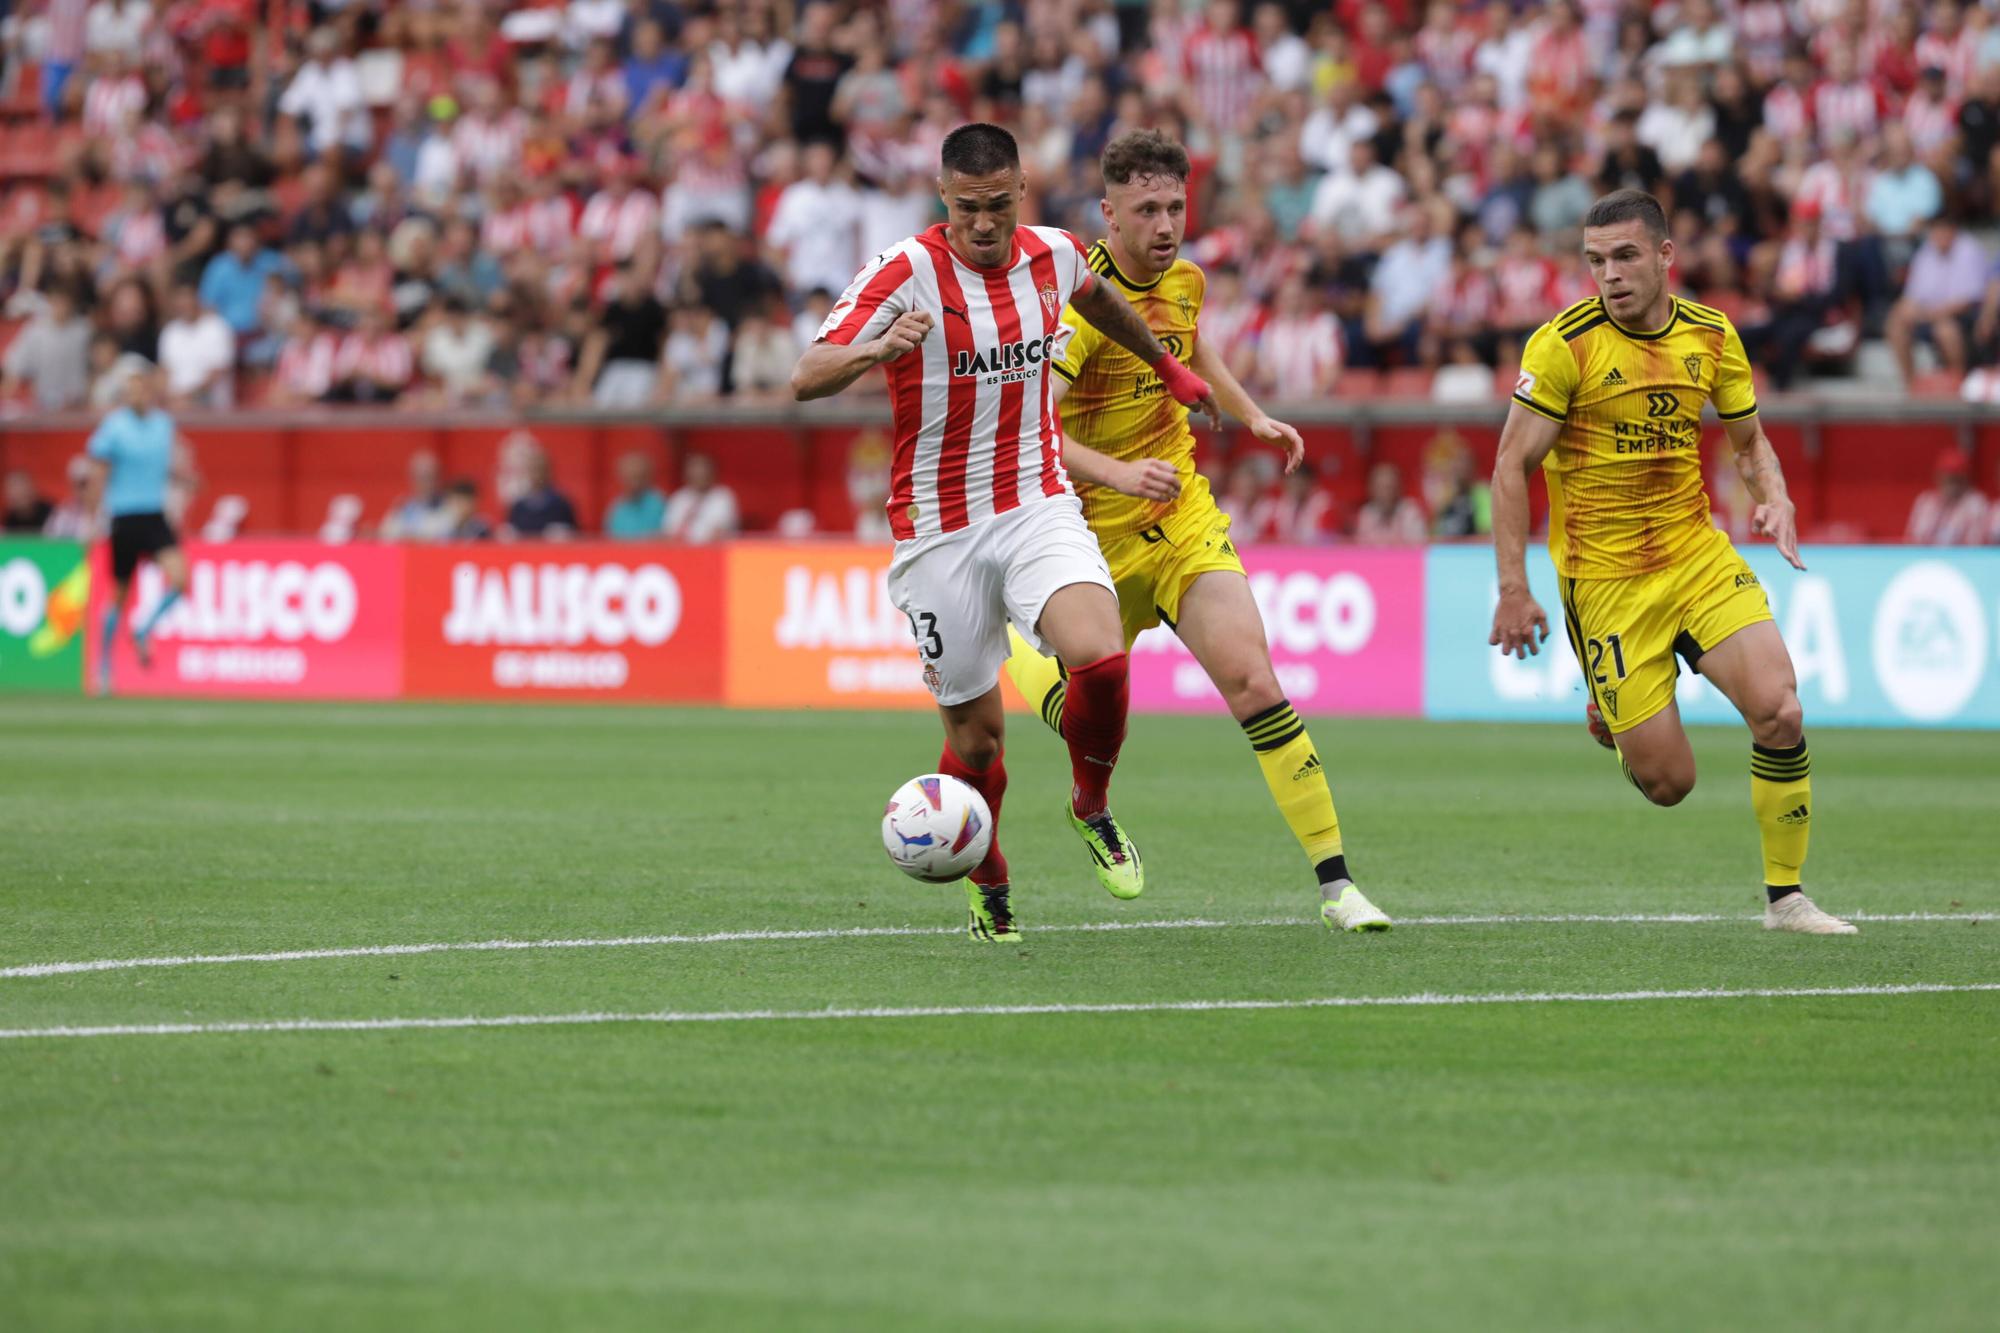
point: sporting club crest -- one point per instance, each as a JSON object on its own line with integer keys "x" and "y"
{"x": 1693, "y": 364}
{"x": 1051, "y": 301}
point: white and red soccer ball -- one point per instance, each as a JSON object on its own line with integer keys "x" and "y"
{"x": 936, "y": 828}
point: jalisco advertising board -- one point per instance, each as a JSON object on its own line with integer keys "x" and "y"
{"x": 263, "y": 619}
{"x": 564, "y": 622}
{"x": 1346, "y": 630}
{"x": 812, "y": 626}
{"x": 1884, "y": 636}
{"x": 44, "y": 595}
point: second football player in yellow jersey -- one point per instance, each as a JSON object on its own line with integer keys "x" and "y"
{"x": 1609, "y": 406}
{"x": 1128, "y": 446}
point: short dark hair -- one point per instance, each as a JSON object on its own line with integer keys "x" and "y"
{"x": 1143, "y": 153}
{"x": 979, "y": 149}
{"x": 1629, "y": 206}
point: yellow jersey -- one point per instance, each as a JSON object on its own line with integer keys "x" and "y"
{"x": 1625, "y": 493}
{"x": 1116, "y": 404}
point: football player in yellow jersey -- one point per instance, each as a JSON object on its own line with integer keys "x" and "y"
{"x": 1128, "y": 446}
{"x": 1609, "y": 406}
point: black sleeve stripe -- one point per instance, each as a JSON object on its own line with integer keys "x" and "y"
{"x": 1068, "y": 376}
{"x": 1707, "y": 312}
{"x": 1579, "y": 308}
{"x": 1749, "y": 411}
{"x": 1571, "y": 334}
{"x": 1531, "y": 403}
{"x": 1700, "y": 321}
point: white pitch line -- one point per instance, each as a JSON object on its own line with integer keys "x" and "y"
{"x": 876, "y": 932}
{"x": 1421, "y": 1000}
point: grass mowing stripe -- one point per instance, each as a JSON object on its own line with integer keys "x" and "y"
{"x": 878, "y": 932}
{"x": 1422, "y": 1000}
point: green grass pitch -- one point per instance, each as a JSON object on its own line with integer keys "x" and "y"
{"x": 1769, "y": 1163}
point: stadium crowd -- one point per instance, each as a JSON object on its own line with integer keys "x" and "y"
{"x": 626, "y": 203}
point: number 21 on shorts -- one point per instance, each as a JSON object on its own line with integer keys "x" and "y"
{"x": 1597, "y": 647}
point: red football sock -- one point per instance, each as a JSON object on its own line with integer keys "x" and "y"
{"x": 1093, "y": 722}
{"x": 992, "y": 784}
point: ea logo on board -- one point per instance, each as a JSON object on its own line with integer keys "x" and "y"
{"x": 1930, "y": 641}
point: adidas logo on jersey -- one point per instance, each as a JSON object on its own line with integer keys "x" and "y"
{"x": 1799, "y": 816}
{"x": 1613, "y": 378}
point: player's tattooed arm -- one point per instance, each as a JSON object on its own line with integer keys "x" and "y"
{"x": 1757, "y": 462}
{"x": 827, "y": 368}
{"x": 1519, "y": 625}
{"x": 1117, "y": 320}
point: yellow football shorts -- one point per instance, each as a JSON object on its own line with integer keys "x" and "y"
{"x": 1625, "y": 632}
{"x": 1153, "y": 569}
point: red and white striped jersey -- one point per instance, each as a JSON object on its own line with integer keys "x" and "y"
{"x": 1856, "y": 108}
{"x": 385, "y": 360}
{"x": 1931, "y": 121}
{"x": 975, "y": 419}
{"x": 1526, "y": 291}
{"x": 1224, "y": 71}
{"x": 1788, "y": 113}
{"x": 112, "y": 104}
{"x": 1957, "y": 56}
{"x": 618, "y": 225}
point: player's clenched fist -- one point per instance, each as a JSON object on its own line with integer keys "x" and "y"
{"x": 905, "y": 335}
{"x": 1519, "y": 627}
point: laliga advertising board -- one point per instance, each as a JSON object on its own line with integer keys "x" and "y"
{"x": 264, "y": 619}
{"x": 564, "y": 622}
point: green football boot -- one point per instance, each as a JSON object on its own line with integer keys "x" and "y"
{"x": 992, "y": 916}
{"x": 1113, "y": 854}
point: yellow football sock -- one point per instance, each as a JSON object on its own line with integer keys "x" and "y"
{"x": 1297, "y": 780}
{"x": 1781, "y": 794}
{"x": 1039, "y": 679}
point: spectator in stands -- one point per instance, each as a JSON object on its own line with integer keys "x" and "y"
{"x": 462, "y": 520}
{"x": 1802, "y": 288}
{"x": 1301, "y": 513}
{"x": 695, "y": 358}
{"x": 197, "y": 354}
{"x": 373, "y": 363}
{"x": 541, "y": 510}
{"x": 762, "y": 356}
{"x": 422, "y": 515}
{"x": 1360, "y": 203}
{"x": 1628, "y": 163}
{"x": 641, "y": 507}
{"x": 304, "y": 372}
{"x": 457, "y": 351}
{"x": 703, "y": 509}
{"x": 26, "y": 510}
{"x": 77, "y": 517}
{"x": 233, "y": 283}
{"x": 1401, "y": 286}
{"x": 50, "y": 356}
{"x": 814, "y": 234}
{"x": 1300, "y": 350}
{"x": 1903, "y": 195}
{"x": 325, "y": 97}
{"x": 1952, "y": 513}
{"x": 1461, "y": 504}
{"x": 1389, "y": 517}
{"x": 621, "y": 356}
{"x": 1940, "y": 298}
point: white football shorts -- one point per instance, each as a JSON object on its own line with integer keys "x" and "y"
{"x": 960, "y": 589}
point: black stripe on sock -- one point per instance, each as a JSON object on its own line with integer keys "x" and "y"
{"x": 1052, "y": 704}
{"x": 1789, "y": 752}
{"x": 1279, "y": 742}
{"x": 1333, "y": 870}
{"x": 1269, "y": 714}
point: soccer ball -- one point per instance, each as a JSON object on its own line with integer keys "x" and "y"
{"x": 936, "y": 828}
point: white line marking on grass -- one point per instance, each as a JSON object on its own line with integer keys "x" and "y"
{"x": 1422, "y": 1000}
{"x": 877, "y": 932}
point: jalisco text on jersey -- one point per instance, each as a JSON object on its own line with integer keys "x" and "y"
{"x": 1007, "y": 356}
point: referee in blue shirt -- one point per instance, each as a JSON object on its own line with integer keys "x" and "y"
{"x": 134, "y": 450}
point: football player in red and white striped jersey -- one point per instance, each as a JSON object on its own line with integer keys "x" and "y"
{"x": 964, "y": 317}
